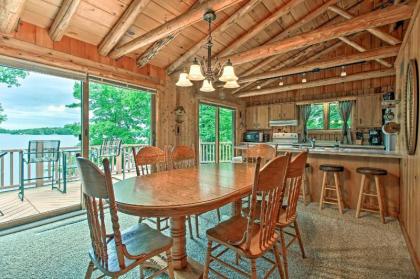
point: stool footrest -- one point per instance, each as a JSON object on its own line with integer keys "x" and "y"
{"x": 370, "y": 210}
{"x": 370, "y": 195}
{"x": 330, "y": 202}
{"x": 330, "y": 188}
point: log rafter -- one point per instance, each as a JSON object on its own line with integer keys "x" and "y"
{"x": 63, "y": 18}
{"x": 10, "y": 12}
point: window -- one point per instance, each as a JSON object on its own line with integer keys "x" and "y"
{"x": 325, "y": 116}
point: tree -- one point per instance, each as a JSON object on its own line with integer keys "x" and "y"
{"x": 10, "y": 77}
{"x": 115, "y": 112}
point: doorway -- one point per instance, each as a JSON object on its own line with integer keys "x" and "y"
{"x": 216, "y": 133}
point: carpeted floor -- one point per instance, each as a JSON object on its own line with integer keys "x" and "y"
{"x": 336, "y": 247}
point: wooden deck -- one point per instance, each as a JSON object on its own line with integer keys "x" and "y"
{"x": 38, "y": 203}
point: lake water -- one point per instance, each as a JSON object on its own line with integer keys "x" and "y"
{"x": 21, "y": 141}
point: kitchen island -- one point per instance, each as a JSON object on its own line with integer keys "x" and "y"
{"x": 351, "y": 158}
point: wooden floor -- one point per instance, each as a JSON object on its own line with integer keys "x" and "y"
{"x": 38, "y": 201}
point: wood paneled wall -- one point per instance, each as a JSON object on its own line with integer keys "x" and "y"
{"x": 410, "y": 165}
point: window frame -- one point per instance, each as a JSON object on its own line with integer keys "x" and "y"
{"x": 326, "y": 112}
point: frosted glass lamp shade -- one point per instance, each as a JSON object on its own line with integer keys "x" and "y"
{"x": 228, "y": 73}
{"x": 195, "y": 72}
{"x": 231, "y": 84}
{"x": 207, "y": 86}
{"x": 183, "y": 80}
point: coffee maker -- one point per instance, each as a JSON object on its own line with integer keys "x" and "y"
{"x": 375, "y": 137}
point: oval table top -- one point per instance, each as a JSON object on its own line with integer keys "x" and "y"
{"x": 184, "y": 192}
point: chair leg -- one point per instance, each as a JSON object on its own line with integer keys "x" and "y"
{"x": 360, "y": 200}
{"x": 89, "y": 270}
{"x": 208, "y": 260}
{"x": 190, "y": 227}
{"x": 219, "y": 216}
{"x": 253, "y": 269}
{"x": 278, "y": 261}
{"x": 170, "y": 264}
{"x": 339, "y": 196}
{"x": 380, "y": 198}
{"x": 197, "y": 227}
{"x": 158, "y": 223}
{"x": 324, "y": 182}
{"x": 299, "y": 237}
{"x": 284, "y": 253}
{"x": 141, "y": 272}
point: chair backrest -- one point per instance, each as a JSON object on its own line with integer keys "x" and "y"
{"x": 149, "y": 158}
{"x": 183, "y": 156}
{"x": 294, "y": 180}
{"x": 264, "y": 151}
{"x": 269, "y": 188}
{"x": 97, "y": 187}
{"x": 43, "y": 151}
{"x": 110, "y": 148}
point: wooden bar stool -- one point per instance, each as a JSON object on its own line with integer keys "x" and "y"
{"x": 335, "y": 170}
{"x": 305, "y": 186}
{"x": 364, "y": 191}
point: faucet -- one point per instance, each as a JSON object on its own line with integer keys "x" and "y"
{"x": 312, "y": 140}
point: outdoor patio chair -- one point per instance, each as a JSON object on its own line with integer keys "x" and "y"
{"x": 2, "y": 154}
{"x": 39, "y": 152}
{"x": 111, "y": 149}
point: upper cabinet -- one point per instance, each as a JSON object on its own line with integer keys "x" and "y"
{"x": 369, "y": 111}
{"x": 285, "y": 111}
{"x": 257, "y": 117}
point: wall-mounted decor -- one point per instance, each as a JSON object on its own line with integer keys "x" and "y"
{"x": 411, "y": 106}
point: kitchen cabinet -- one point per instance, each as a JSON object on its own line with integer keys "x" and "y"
{"x": 285, "y": 111}
{"x": 257, "y": 117}
{"x": 369, "y": 111}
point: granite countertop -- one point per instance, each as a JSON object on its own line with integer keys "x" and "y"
{"x": 344, "y": 150}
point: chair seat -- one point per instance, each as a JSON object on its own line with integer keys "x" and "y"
{"x": 230, "y": 233}
{"x": 331, "y": 168}
{"x": 371, "y": 171}
{"x": 138, "y": 239}
{"x": 282, "y": 221}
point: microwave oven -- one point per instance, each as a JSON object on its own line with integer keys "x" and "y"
{"x": 255, "y": 136}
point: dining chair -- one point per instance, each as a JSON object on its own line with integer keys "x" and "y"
{"x": 119, "y": 252}
{"x": 147, "y": 160}
{"x": 264, "y": 151}
{"x": 288, "y": 212}
{"x": 183, "y": 156}
{"x": 253, "y": 236}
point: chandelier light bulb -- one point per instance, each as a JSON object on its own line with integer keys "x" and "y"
{"x": 228, "y": 73}
{"x": 231, "y": 84}
{"x": 183, "y": 80}
{"x": 195, "y": 72}
{"x": 207, "y": 86}
{"x": 343, "y": 72}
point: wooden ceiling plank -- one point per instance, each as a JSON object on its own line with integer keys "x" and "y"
{"x": 259, "y": 27}
{"x": 122, "y": 25}
{"x": 393, "y": 25}
{"x": 176, "y": 24}
{"x": 220, "y": 29}
{"x": 321, "y": 82}
{"x": 374, "y": 31}
{"x": 62, "y": 19}
{"x": 373, "y": 54}
{"x": 10, "y": 12}
{"x": 374, "y": 19}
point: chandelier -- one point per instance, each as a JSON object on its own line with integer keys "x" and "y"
{"x": 203, "y": 70}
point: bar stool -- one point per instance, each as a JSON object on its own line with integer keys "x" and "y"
{"x": 369, "y": 173}
{"x": 335, "y": 170}
{"x": 305, "y": 185}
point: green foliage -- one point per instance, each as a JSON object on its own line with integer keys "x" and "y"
{"x": 207, "y": 124}
{"x": 226, "y": 125}
{"x": 334, "y": 117}
{"x": 40, "y": 131}
{"x": 316, "y": 120}
{"x": 10, "y": 77}
{"x": 116, "y": 112}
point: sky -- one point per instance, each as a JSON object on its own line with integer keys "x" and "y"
{"x": 40, "y": 101}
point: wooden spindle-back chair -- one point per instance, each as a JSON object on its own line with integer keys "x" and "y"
{"x": 116, "y": 253}
{"x": 254, "y": 235}
{"x": 264, "y": 151}
{"x": 183, "y": 156}
{"x": 150, "y": 159}
{"x": 288, "y": 213}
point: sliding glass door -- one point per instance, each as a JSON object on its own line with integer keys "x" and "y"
{"x": 216, "y": 133}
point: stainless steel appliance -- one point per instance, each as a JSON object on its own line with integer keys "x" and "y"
{"x": 283, "y": 123}
{"x": 256, "y": 136}
{"x": 285, "y": 138}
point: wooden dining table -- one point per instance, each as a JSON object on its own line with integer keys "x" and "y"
{"x": 183, "y": 192}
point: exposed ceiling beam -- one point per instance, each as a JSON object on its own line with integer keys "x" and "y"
{"x": 393, "y": 25}
{"x": 362, "y": 49}
{"x": 355, "y": 25}
{"x": 151, "y": 52}
{"x": 318, "y": 83}
{"x": 62, "y": 19}
{"x": 180, "y": 22}
{"x": 373, "y": 54}
{"x": 374, "y": 31}
{"x": 219, "y": 29}
{"x": 121, "y": 26}
{"x": 10, "y": 11}
{"x": 260, "y": 26}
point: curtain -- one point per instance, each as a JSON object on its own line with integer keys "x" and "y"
{"x": 345, "y": 112}
{"x": 305, "y": 113}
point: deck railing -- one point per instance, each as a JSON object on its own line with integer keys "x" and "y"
{"x": 11, "y": 164}
{"x": 208, "y": 152}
